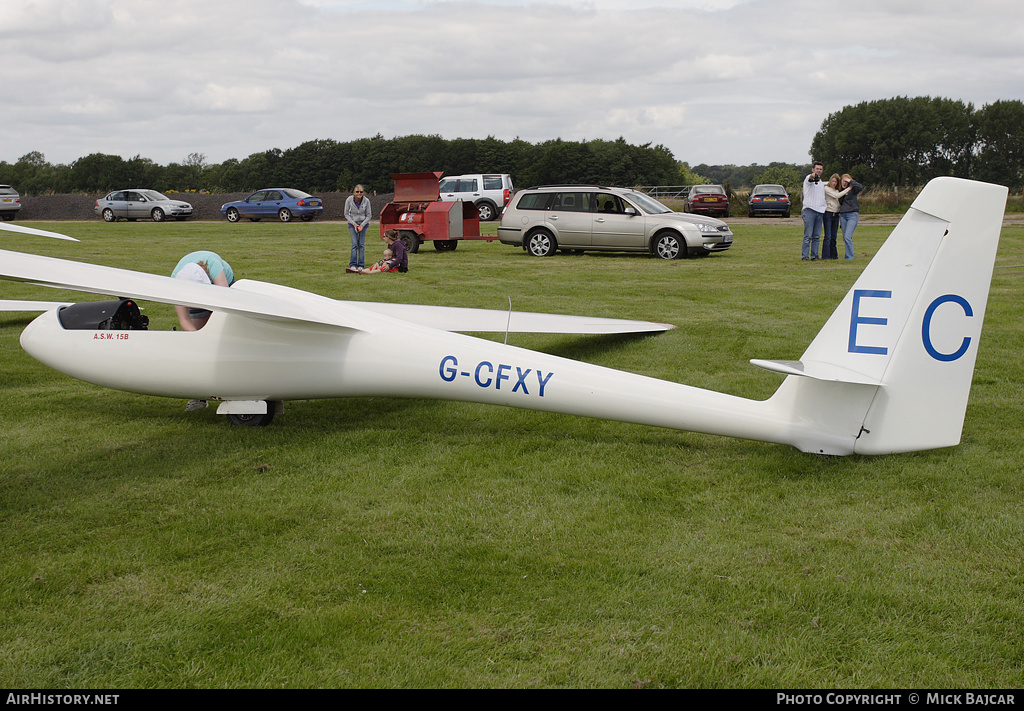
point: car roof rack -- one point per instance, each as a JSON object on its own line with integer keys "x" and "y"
{"x": 581, "y": 185}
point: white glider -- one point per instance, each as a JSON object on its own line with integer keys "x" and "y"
{"x": 889, "y": 372}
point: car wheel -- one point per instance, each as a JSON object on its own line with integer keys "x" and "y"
{"x": 8, "y": 216}
{"x": 486, "y": 211}
{"x": 108, "y": 215}
{"x": 284, "y": 214}
{"x": 750, "y": 213}
{"x": 254, "y": 219}
{"x": 668, "y": 245}
{"x": 446, "y": 245}
{"x": 411, "y": 240}
{"x": 232, "y": 215}
{"x": 785, "y": 214}
{"x": 541, "y": 243}
{"x": 158, "y": 215}
{"x": 307, "y": 218}
{"x": 180, "y": 219}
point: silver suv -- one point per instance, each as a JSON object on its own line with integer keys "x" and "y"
{"x": 10, "y": 202}
{"x": 489, "y": 192}
{"x": 592, "y": 217}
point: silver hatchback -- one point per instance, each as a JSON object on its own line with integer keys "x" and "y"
{"x": 589, "y": 217}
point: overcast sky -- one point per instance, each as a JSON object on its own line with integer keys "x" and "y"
{"x": 716, "y": 81}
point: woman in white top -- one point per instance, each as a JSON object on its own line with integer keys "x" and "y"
{"x": 830, "y": 223}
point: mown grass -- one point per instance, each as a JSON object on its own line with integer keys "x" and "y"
{"x": 410, "y": 543}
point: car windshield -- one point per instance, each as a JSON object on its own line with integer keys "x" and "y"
{"x": 153, "y": 195}
{"x": 648, "y": 204}
{"x": 293, "y": 193}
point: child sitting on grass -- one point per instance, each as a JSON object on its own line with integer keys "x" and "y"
{"x": 381, "y": 266}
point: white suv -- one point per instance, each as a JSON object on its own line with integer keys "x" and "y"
{"x": 490, "y": 192}
{"x": 590, "y": 217}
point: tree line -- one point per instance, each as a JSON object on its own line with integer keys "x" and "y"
{"x": 908, "y": 141}
{"x": 902, "y": 142}
{"x": 328, "y": 165}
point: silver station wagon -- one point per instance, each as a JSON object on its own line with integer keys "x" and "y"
{"x": 591, "y": 217}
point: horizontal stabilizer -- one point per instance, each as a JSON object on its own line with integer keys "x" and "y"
{"x": 818, "y": 371}
{"x": 465, "y": 320}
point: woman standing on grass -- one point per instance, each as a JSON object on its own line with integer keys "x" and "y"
{"x": 358, "y": 215}
{"x": 831, "y": 222}
{"x": 849, "y": 212}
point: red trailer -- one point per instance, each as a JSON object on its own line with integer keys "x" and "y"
{"x": 419, "y": 215}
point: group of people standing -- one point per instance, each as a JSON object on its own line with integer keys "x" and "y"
{"x": 358, "y": 215}
{"x": 827, "y": 208}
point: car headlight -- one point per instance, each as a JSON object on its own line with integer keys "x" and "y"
{"x": 706, "y": 228}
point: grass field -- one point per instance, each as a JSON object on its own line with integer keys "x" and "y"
{"x": 389, "y": 542}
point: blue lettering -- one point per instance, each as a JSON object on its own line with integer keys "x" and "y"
{"x": 543, "y": 381}
{"x": 502, "y": 369}
{"x": 856, "y": 319}
{"x": 926, "y": 328}
{"x": 448, "y": 374}
{"x": 486, "y": 375}
{"x": 521, "y": 381}
{"x": 490, "y": 368}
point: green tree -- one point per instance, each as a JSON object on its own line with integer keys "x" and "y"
{"x": 1000, "y": 144}
{"x": 899, "y": 141}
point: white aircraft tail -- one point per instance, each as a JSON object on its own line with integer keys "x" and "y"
{"x": 892, "y": 367}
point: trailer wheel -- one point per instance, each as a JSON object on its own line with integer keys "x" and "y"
{"x": 446, "y": 245}
{"x": 411, "y": 240}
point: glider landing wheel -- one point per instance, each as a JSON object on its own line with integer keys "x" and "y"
{"x": 255, "y": 420}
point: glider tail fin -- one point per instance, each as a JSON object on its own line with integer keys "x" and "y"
{"x": 891, "y": 370}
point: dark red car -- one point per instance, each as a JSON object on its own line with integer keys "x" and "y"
{"x": 708, "y": 199}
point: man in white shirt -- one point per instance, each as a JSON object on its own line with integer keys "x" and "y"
{"x": 813, "y": 212}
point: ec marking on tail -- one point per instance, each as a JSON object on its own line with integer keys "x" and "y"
{"x": 857, "y": 320}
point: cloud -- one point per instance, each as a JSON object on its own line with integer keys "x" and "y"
{"x": 734, "y": 81}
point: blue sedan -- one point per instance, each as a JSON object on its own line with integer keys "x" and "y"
{"x": 285, "y": 203}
